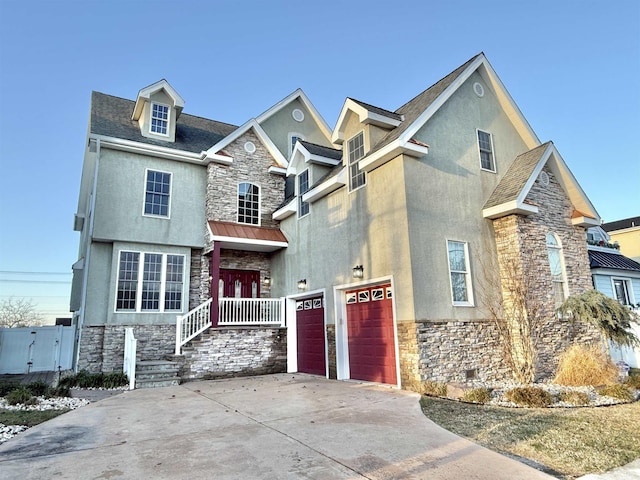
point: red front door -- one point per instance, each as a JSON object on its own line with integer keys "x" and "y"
{"x": 239, "y": 283}
{"x": 310, "y": 336}
{"x": 372, "y": 349}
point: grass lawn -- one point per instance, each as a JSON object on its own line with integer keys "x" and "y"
{"x": 570, "y": 441}
{"x": 28, "y": 418}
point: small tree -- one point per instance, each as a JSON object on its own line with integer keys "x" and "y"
{"x": 15, "y": 313}
{"x": 613, "y": 319}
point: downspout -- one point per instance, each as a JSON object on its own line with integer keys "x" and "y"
{"x": 87, "y": 255}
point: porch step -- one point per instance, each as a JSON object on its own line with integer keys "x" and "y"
{"x": 156, "y": 373}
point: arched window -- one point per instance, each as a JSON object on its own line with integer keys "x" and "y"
{"x": 248, "y": 203}
{"x": 556, "y": 264}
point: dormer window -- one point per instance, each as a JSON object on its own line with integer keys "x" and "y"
{"x": 159, "y": 119}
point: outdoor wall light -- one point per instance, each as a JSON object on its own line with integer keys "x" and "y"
{"x": 302, "y": 284}
{"x": 267, "y": 281}
{"x": 358, "y": 271}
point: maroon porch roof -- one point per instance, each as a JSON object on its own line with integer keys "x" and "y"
{"x": 247, "y": 237}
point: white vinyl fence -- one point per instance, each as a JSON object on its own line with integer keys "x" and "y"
{"x": 36, "y": 349}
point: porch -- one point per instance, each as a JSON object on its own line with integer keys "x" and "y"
{"x": 231, "y": 312}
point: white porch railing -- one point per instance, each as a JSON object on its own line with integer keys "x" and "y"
{"x": 192, "y": 324}
{"x": 251, "y": 311}
{"x": 130, "y": 350}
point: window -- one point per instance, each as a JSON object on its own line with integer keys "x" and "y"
{"x": 485, "y": 145}
{"x": 293, "y": 138}
{"x": 159, "y": 119}
{"x": 458, "y": 254}
{"x": 355, "y": 151}
{"x": 556, "y": 264}
{"x": 303, "y": 186}
{"x": 621, "y": 291}
{"x": 248, "y": 204}
{"x": 157, "y": 193}
{"x": 160, "y": 282}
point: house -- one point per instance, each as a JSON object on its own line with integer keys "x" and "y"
{"x": 618, "y": 277}
{"x": 627, "y": 233}
{"x": 375, "y": 250}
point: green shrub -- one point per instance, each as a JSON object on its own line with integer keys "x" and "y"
{"x": 20, "y": 395}
{"x": 617, "y": 391}
{"x": 574, "y": 398}
{"x": 477, "y": 395}
{"x": 84, "y": 379}
{"x": 435, "y": 389}
{"x": 59, "y": 391}
{"x": 38, "y": 389}
{"x": 7, "y": 387}
{"x": 114, "y": 380}
{"x": 529, "y": 397}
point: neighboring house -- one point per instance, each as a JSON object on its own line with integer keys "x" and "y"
{"x": 618, "y": 277}
{"x": 382, "y": 242}
{"x": 627, "y": 233}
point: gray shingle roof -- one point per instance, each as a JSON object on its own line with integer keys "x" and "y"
{"x": 111, "y": 116}
{"x": 414, "y": 107}
{"x": 621, "y": 224}
{"x": 598, "y": 259}
{"x": 516, "y": 177}
{"x": 328, "y": 152}
{"x": 378, "y": 110}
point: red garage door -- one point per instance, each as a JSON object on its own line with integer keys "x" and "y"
{"x": 310, "y": 335}
{"x": 372, "y": 352}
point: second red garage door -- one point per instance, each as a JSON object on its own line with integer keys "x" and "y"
{"x": 372, "y": 350}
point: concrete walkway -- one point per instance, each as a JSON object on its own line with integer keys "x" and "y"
{"x": 285, "y": 426}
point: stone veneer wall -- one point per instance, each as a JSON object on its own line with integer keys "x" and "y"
{"x": 331, "y": 351}
{"x": 448, "y": 349}
{"x": 102, "y": 347}
{"x": 409, "y": 354}
{"x": 231, "y": 352}
{"x": 223, "y": 180}
{"x": 523, "y": 239}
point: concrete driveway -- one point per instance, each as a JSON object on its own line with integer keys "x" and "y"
{"x": 285, "y": 426}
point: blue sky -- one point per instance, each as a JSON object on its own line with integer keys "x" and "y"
{"x": 572, "y": 66}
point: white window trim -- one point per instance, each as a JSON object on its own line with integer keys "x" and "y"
{"x": 144, "y": 194}
{"x": 151, "y": 132}
{"x": 259, "y": 204}
{"x": 560, "y": 248}
{"x": 290, "y": 137}
{"x": 493, "y": 151}
{"x": 467, "y": 273}
{"x": 364, "y": 147}
{"x": 629, "y": 284}
{"x": 163, "y": 279}
{"x": 301, "y": 193}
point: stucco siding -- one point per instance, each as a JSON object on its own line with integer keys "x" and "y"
{"x": 97, "y": 296}
{"x": 366, "y": 227}
{"x": 445, "y": 193}
{"x": 120, "y": 201}
{"x": 281, "y": 124}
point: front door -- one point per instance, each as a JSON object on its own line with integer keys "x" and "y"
{"x": 310, "y": 336}
{"x": 239, "y": 283}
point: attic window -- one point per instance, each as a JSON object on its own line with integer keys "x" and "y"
{"x": 159, "y": 119}
{"x": 298, "y": 115}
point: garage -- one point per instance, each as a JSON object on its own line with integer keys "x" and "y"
{"x": 310, "y": 336}
{"x": 371, "y": 335}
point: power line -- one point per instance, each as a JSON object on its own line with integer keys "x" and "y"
{"x": 17, "y": 272}
{"x": 6, "y": 280}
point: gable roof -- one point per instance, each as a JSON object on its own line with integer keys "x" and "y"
{"x": 599, "y": 259}
{"x": 421, "y": 108}
{"x": 144, "y": 95}
{"x": 510, "y": 194}
{"x": 111, "y": 117}
{"x": 633, "y": 222}
{"x": 214, "y": 151}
